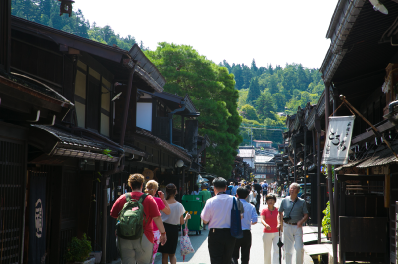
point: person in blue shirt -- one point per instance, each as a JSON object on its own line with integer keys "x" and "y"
{"x": 234, "y": 190}
{"x": 250, "y": 218}
{"x": 264, "y": 190}
{"x": 229, "y": 188}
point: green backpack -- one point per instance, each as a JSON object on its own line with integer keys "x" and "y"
{"x": 130, "y": 219}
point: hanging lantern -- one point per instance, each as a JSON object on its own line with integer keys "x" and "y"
{"x": 66, "y": 7}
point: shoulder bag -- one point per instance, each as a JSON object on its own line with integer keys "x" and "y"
{"x": 235, "y": 224}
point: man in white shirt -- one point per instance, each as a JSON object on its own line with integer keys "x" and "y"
{"x": 250, "y": 218}
{"x": 217, "y": 212}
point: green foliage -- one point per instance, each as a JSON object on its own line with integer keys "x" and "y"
{"x": 248, "y": 112}
{"x": 326, "y": 222}
{"x": 242, "y": 99}
{"x": 47, "y": 12}
{"x": 78, "y": 250}
{"x": 107, "y": 152}
{"x": 280, "y": 90}
{"x": 265, "y": 106}
{"x": 254, "y": 91}
{"x": 211, "y": 88}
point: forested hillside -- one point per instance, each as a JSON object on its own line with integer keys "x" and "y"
{"x": 266, "y": 91}
{"x": 47, "y": 12}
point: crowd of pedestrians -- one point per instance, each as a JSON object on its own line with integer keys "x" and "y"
{"x": 149, "y": 223}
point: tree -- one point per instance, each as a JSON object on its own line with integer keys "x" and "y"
{"x": 248, "y": 112}
{"x": 254, "y": 91}
{"x": 211, "y": 88}
{"x": 265, "y": 106}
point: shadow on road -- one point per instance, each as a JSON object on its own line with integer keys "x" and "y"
{"x": 197, "y": 242}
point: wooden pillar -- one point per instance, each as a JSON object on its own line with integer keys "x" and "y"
{"x": 387, "y": 186}
{"x": 5, "y": 34}
{"x": 329, "y": 175}
{"x": 318, "y": 135}
{"x": 305, "y": 171}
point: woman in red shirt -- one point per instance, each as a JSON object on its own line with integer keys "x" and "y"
{"x": 151, "y": 188}
{"x": 140, "y": 250}
{"x": 271, "y": 222}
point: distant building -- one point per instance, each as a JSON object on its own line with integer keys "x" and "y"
{"x": 263, "y": 144}
{"x": 247, "y": 153}
{"x": 265, "y": 168}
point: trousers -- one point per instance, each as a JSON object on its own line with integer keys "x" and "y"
{"x": 270, "y": 241}
{"x": 245, "y": 245}
{"x": 293, "y": 238}
{"x": 220, "y": 245}
{"x": 134, "y": 252}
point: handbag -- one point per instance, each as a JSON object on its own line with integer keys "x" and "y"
{"x": 185, "y": 243}
{"x": 235, "y": 224}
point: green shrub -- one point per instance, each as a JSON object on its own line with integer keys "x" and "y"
{"x": 326, "y": 222}
{"x": 78, "y": 250}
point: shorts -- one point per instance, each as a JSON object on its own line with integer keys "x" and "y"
{"x": 264, "y": 192}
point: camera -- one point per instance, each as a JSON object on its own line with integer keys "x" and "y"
{"x": 286, "y": 219}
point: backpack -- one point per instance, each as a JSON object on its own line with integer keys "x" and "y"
{"x": 130, "y": 219}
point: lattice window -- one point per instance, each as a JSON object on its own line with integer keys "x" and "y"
{"x": 12, "y": 179}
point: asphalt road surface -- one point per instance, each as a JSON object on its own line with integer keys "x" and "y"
{"x": 200, "y": 244}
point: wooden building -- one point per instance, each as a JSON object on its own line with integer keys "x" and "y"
{"x": 361, "y": 64}
{"x": 69, "y": 138}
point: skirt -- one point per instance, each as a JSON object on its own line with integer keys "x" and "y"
{"x": 172, "y": 235}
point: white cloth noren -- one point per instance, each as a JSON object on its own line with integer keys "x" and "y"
{"x": 293, "y": 238}
{"x": 270, "y": 239}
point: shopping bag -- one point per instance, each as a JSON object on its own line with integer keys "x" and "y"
{"x": 185, "y": 243}
{"x": 235, "y": 223}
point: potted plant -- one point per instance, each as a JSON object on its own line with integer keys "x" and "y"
{"x": 326, "y": 222}
{"x": 78, "y": 251}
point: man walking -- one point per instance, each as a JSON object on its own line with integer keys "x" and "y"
{"x": 257, "y": 188}
{"x": 234, "y": 190}
{"x": 217, "y": 212}
{"x": 294, "y": 213}
{"x": 264, "y": 191}
{"x": 250, "y": 218}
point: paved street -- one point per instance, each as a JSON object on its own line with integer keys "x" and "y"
{"x": 200, "y": 244}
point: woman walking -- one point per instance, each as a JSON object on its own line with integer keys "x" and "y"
{"x": 172, "y": 223}
{"x": 151, "y": 188}
{"x": 271, "y": 222}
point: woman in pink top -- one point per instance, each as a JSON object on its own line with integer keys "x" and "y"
{"x": 151, "y": 188}
{"x": 271, "y": 222}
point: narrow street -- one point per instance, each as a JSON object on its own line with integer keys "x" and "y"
{"x": 200, "y": 244}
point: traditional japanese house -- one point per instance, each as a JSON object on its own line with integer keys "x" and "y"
{"x": 63, "y": 136}
{"x": 265, "y": 168}
{"x": 361, "y": 64}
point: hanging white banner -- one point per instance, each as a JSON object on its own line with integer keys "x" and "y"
{"x": 338, "y": 140}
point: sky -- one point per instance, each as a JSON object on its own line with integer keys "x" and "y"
{"x": 271, "y": 32}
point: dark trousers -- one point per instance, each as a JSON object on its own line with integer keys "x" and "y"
{"x": 220, "y": 245}
{"x": 257, "y": 203}
{"x": 245, "y": 245}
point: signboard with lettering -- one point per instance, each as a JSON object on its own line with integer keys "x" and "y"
{"x": 37, "y": 225}
{"x": 338, "y": 140}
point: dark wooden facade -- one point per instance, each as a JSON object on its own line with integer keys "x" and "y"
{"x": 57, "y": 120}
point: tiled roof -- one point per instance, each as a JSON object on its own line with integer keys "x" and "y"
{"x": 71, "y": 145}
{"x": 380, "y": 156}
{"x": 263, "y": 158}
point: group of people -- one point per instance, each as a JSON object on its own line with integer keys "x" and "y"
{"x": 164, "y": 215}
{"x": 162, "y": 218}
{"x": 289, "y": 217}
